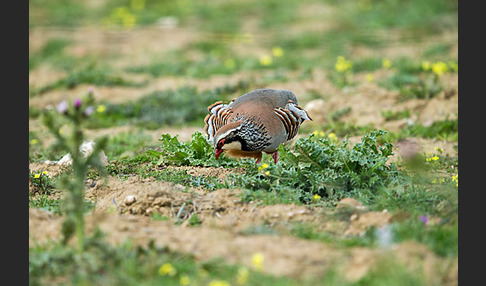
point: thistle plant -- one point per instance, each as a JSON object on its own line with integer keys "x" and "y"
{"x": 75, "y": 114}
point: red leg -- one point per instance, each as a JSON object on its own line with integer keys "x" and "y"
{"x": 275, "y": 157}
{"x": 259, "y": 159}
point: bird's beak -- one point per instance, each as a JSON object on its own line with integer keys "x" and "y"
{"x": 218, "y": 152}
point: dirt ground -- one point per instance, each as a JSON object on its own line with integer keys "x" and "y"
{"x": 123, "y": 207}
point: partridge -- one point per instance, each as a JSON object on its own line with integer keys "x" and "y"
{"x": 258, "y": 121}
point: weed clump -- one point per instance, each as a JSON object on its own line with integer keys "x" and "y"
{"x": 322, "y": 168}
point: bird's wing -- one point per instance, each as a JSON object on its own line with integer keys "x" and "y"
{"x": 291, "y": 116}
{"x": 218, "y": 117}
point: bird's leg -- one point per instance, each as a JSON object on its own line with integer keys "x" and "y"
{"x": 259, "y": 158}
{"x": 275, "y": 156}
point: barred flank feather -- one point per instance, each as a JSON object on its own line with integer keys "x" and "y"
{"x": 291, "y": 116}
{"x": 218, "y": 118}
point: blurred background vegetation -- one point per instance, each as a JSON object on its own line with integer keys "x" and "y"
{"x": 157, "y": 63}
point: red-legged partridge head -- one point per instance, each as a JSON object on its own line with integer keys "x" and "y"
{"x": 258, "y": 121}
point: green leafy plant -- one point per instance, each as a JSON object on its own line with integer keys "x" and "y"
{"x": 197, "y": 152}
{"x": 40, "y": 182}
{"x": 323, "y": 167}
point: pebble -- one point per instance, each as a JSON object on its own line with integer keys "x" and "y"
{"x": 130, "y": 200}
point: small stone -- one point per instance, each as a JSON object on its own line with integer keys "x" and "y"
{"x": 130, "y": 200}
{"x": 149, "y": 211}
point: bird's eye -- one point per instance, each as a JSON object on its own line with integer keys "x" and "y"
{"x": 221, "y": 143}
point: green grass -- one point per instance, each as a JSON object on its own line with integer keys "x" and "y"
{"x": 52, "y": 51}
{"x": 419, "y": 16}
{"x": 57, "y": 13}
{"x": 446, "y": 129}
{"x": 88, "y": 74}
{"x": 442, "y": 237}
{"x": 127, "y": 144}
{"x": 45, "y": 202}
{"x": 165, "y": 107}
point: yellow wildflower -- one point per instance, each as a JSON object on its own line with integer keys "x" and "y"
{"x": 332, "y": 136}
{"x": 369, "y": 77}
{"x": 386, "y": 63}
{"x": 45, "y": 172}
{"x": 242, "y": 276}
{"x": 34, "y": 141}
{"x": 426, "y": 65}
{"x": 267, "y": 173}
{"x": 435, "y": 181}
{"x": 263, "y": 166}
{"x": 434, "y": 158}
{"x": 439, "y": 68}
{"x": 101, "y": 108}
{"x": 438, "y": 149}
{"x": 167, "y": 269}
{"x": 343, "y": 65}
{"x": 266, "y": 60}
{"x": 316, "y": 198}
{"x": 184, "y": 280}
{"x": 277, "y": 52}
{"x": 257, "y": 261}
{"x": 124, "y": 16}
{"x": 37, "y": 176}
{"x": 218, "y": 283}
{"x": 455, "y": 178}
